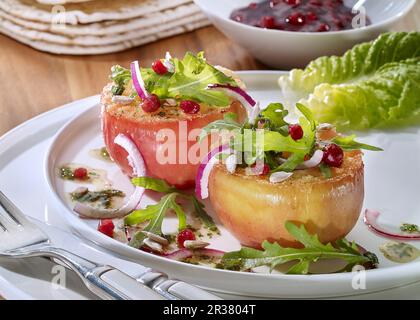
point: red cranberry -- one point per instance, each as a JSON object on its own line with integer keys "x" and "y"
{"x": 273, "y": 3}
{"x": 317, "y": 3}
{"x": 292, "y": 2}
{"x": 339, "y": 24}
{"x": 324, "y": 27}
{"x": 296, "y": 131}
{"x": 80, "y": 173}
{"x": 296, "y": 19}
{"x": 190, "y": 107}
{"x": 268, "y": 22}
{"x": 159, "y": 67}
{"x": 106, "y": 226}
{"x": 265, "y": 170}
{"x": 311, "y": 16}
{"x": 151, "y": 103}
{"x": 333, "y": 155}
{"x": 183, "y": 236}
{"x": 252, "y": 5}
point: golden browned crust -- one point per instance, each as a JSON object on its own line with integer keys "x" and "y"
{"x": 351, "y": 165}
{"x": 132, "y": 111}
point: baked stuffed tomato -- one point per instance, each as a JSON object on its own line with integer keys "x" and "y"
{"x": 304, "y": 173}
{"x": 162, "y": 109}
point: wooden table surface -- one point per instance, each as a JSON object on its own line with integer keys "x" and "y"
{"x": 33, "y": 82}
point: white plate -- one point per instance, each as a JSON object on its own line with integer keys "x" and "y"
{"x": 22, "y": 152}
{"x": 392, "y": 184}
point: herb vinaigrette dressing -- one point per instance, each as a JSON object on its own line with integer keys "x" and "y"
{"x": 399, "y": 252}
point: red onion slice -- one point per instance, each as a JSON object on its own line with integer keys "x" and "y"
{"x": 138, "y": 80}
{"x": 244, "y": 98}
{"x": 139, "y": 169}
{"x": 204, "y": 170}
{"x": 237, "y": 92}
{"x": 371, "y": 220}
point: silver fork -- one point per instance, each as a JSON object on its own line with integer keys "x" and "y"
{"x": 20, "y": 238}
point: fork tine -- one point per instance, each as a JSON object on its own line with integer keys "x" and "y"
{"x": 10, "y": 216}
{"x": 17, "y": 231}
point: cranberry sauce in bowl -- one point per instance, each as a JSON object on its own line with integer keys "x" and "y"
{"x": 297, "y": 15}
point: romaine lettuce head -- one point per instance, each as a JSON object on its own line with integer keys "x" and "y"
{"x": 375, "y": 84}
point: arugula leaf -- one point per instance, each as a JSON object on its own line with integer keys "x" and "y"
{"x": 202, "y": 214}
{"x": 303, "y": 147}
{"x": 275, "y": 114}
{"x": 308, "y": 115}
{"x": 155, "y": 213}
{"x": 120, "y": 76}
{"x": 325, "y": 170}
{"x": 274, "y": 255}
{"x": 291, "y": 163}
{"x": 155, "y": 83}
{"x": 348, "y": 144}
{"x": 228, "y": 123}
{"x": 154, "y": 184}
{"x": 152, "y": 211}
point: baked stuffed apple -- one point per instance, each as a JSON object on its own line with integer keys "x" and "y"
{"x": 301, "y": 172}
{"x": 162, "y": 109}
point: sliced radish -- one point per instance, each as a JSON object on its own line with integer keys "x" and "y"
{"x": 251, "y": 106}
{"x": 183, "y": 254}
{"x": 213, "y": 253}
{"x": 204, "y": 170}
{"x": 139, "y": 169}
{"x": 179, "y": 254}
{"x": 371, "y": 220}
{"x": 138, "y": 81}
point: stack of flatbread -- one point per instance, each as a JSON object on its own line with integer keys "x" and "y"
{"x": 82, "y": 27}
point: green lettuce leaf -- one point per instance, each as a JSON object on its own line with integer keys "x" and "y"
{"x": 373, "y": 85}
{"x": 389, "y": 98}
{"x": 189, "y": 81}
{"x": 192, "y": 76}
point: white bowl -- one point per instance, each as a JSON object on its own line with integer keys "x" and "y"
{"x": 286, "y": 49}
